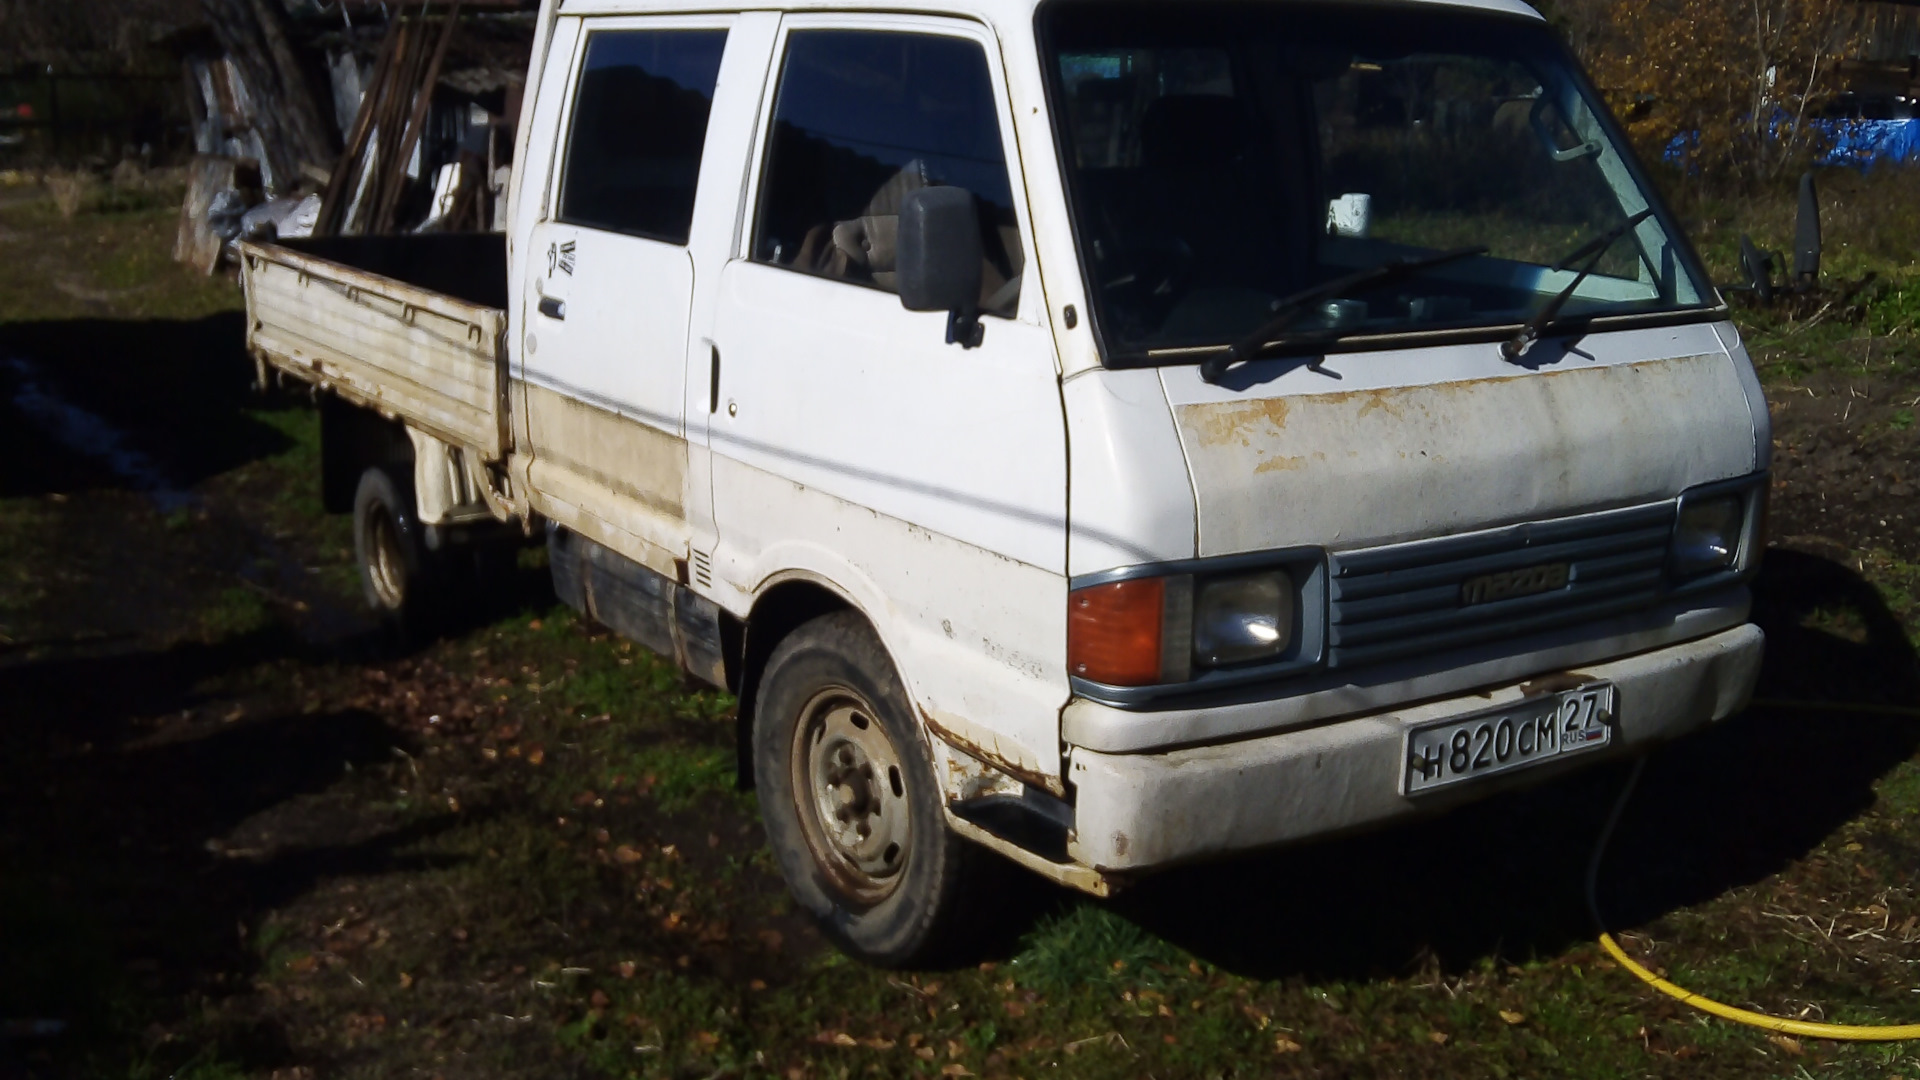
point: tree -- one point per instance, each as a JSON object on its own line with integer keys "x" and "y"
{"x": 1735, "y": 81}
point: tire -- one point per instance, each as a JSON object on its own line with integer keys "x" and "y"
{"x": 396, "y": 570}
{"x": 836, "y": 748}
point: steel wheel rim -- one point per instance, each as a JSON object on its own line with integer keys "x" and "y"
{"x": 385, "y": 562}
{"x": 851, "y": 790}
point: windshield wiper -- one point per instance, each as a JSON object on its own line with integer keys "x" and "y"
{"x": 1592, "y": 251}
{"x": 1287, "y": 309}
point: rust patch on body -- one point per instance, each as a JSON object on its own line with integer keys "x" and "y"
{"x": 1556, "y": 683}
{"x": 1218, "y": 423}
{"x": 968, "y": 746}
{"x": 1239, "y": 421}
{"x": 1281, "y": 464}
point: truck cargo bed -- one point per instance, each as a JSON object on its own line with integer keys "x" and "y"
{"x": 412, "y": 326}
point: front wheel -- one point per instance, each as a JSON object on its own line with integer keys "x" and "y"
{"x": 849, "y": 797}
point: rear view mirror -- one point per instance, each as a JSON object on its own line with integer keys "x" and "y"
{"x": 938, "y": 259}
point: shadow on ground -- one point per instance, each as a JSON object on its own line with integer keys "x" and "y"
{"x": 177, "y": 390}
{"x": 119, "y": 781}
{"x": 1723, "y": 808}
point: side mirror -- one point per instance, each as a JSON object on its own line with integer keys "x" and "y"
{"x": 938, "y": 260}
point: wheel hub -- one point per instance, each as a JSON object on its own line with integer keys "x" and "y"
{"x": 849, "y": 780}
{"x": 384, "y": 559}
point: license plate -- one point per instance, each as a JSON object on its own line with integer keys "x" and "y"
{"x": 1533, "y": 732}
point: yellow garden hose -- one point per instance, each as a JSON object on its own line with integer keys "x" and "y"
{"x": 1851, "y": 1032}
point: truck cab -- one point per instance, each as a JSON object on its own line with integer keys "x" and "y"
{"x": 1106, "y": 434}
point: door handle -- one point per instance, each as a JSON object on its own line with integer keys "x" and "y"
{"x": 713, "y": 391}
{"x": 553, "y": 308}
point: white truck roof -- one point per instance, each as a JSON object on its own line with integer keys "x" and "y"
{"x": 995, "y": 12}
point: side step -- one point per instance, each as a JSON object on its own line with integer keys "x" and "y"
{"x": 1031, "y": 829}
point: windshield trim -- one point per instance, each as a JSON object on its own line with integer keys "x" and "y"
{"x": 1711, "y": 307}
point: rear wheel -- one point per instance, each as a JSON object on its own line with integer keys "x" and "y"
{"x": 395, "y": 566}
{"x": 849, "y": 797}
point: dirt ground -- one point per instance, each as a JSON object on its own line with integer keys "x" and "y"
{"x": 244, "y": 833}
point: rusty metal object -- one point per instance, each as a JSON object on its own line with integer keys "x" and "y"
{"x": 998, "y": 761}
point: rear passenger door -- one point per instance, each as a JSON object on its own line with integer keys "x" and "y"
{"x": 613, "y": 282}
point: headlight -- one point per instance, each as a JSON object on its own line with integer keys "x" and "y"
{"x": 1707, "y": 536}
{"x": 1205, "y": 622}
{"x": 1241, "y": 619}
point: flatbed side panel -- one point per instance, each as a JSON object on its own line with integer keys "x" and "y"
{"x": 424, "y": 357}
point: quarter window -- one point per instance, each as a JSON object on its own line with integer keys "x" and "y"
{"x": 639, "y": 126}
{"x": 861, "y": 120}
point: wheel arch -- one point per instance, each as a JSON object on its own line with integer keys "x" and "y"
{"x": 780, "y": 608}
{"x": 353, "y": 440}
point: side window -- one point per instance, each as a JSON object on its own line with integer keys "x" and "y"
{"x": 639, "y": 126}
{"x": 863, "y": 118}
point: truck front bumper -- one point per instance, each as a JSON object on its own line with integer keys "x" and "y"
{"x": 1138, "y": 811}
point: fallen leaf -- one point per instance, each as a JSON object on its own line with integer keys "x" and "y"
{"x": 707, "y": 1038}
{"x": 1787, "y": 1043}
{"x": 878, "y": 1044}
{"x": 955, "y": 1069}
{"x": 406, "y": 981}
{"x": 1439, "y": 1037}
{"x": 954, "y": 1049}
{"x": 536, "y": 754}
{"x": 1014, "y": 1008}
{"x": 627, "y": 855}
{"x": 925, "y": 1053}
{"x": 1512, "y": 1017}
{"x": 625, "y": 968}
{"x": 757, "y": 985}
{"x": 1284, "y": 1045}
{"x": 1855, "y": 847}
{"x": 302, "y": 964}
{"x": 841, "y": 1038}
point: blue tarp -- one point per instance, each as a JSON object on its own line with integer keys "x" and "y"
{"x": 1864, "y": 143}
{"x": 1857, "y": 144}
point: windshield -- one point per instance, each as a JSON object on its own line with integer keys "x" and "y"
{"x": 1224, "y": 156}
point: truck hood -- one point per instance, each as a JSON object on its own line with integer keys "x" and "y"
{"x": 1379, "y": 447}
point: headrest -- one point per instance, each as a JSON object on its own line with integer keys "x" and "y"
{"x": 1192, "y": 129}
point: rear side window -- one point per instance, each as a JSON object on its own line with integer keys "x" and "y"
{"x": 639, "y": 125}
{"x": 861, "y": 120}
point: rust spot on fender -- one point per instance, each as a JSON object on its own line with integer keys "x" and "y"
{"x": 1556, "y": 683}
{"x": 1240, "y": 421}
{"x": 1281, "y": 464}
{"x": 1024, "y": 775}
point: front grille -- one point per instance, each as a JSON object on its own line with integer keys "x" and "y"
{"x": 1407, "y": 599}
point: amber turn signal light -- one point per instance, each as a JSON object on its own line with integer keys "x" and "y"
{"x": 1114, "y": 632}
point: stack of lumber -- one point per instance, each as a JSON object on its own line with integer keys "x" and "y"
{"x": 365, "y": 189}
